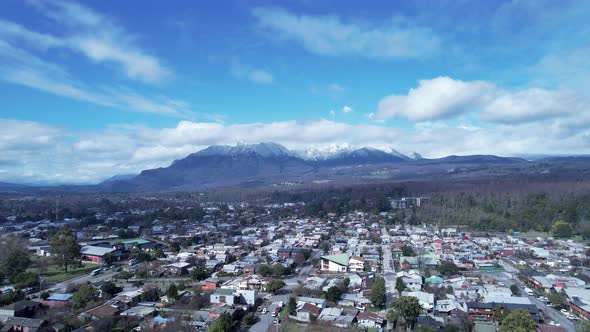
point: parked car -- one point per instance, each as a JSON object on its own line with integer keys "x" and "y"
{"x": 564, "y": 311}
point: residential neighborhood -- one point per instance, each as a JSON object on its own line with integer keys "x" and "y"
{"x": 259, "y": 273}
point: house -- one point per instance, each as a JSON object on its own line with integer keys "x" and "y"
{"x": 356, "y": 264}
{"x": 320, "y": 303}
{"x": 233, "y": 296}
{"x": 19, "y": 309}
{"x": 106, "y": 310}
{"x": 177, "y": 269}
{"x": 334, "y": 263}
{"x": 306, "y": 311}
{"x": 22, "y": 324}
{"x": 210, "y": 284}
{"x": 96, "y": 254}
{"x": 58, "y": 300}
{"x": 369, "y": 319}
{"x": 426, "y": 300}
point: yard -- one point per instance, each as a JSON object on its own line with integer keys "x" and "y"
{"x": 52, "y": 273}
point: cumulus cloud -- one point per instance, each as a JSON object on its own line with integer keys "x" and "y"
{"x": 443, "y": 98}
{"x": 346, "y": 109}
{"x": 435, "y": 99}
{"x": 33, "y": 152}
{"x": 328, "y": 35}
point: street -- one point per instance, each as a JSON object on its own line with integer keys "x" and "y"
{"x": 552, "y": 314}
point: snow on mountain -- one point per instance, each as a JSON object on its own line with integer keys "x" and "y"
{"x": 327, "y": 152}
{"x": 265, "y": 149}
{"x": 398, "y": 154}
{"x": 415, "y": 156}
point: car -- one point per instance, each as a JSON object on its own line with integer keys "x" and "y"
{"x": 96, "y": 272}
{"x": 275, "y": 314}
{"x": 501, "y": 284}
{"x": 564, "y": 311}
{"x": 276, "y": 321}
{"x": 264, "y": 310}
{"x": 553, "y": 323}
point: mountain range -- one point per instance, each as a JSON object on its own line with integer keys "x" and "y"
{"x": 271, "y": 164}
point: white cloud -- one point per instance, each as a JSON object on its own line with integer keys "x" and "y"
{"x": 434, "y": 99}
{"x": 92, "y": 34}
{"x": 242, "y": 71}
{"x": 328, "y": 35}
{"x": 261, "y": 76}
{"x": 31, "y": 151}
{"x": 443, "y": 98}
{"x": 346, "y": 109}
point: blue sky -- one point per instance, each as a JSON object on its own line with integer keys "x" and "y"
{"x": 97, "y": 88}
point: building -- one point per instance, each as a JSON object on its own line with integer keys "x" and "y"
{"x": 96, "y": 254}
{"x": 334, "y": 263}
{"x": 233, "y": 296}
{"x": 356, "y": 264}
{"x": 369, "y": 319}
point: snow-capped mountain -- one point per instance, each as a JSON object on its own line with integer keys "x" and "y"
{"x": 415, "y": 156}
{"x": 323, "y": 153}
{"x": 265, "y": 149}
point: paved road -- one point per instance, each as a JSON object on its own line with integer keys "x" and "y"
{"x": 265, "y": 320}
{"x": 388, "y": 269}
{"x": 509, "y": 279}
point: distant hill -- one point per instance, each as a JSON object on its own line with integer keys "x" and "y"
{"x": 270, "y": 163}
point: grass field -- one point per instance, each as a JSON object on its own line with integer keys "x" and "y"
{"x": 55, "y": 274}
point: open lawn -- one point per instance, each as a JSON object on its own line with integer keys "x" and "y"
{"x": 51, "y": 272}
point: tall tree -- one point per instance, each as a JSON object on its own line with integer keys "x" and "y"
{"x": 518, "y": 321}
{"x": 64, "y": 247}
{"x": 14, "y": 257}
{"x": 378, "y": 293}
{"x": 404, "y": 310}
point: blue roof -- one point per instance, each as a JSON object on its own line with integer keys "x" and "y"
{"x": 60, "y": 297}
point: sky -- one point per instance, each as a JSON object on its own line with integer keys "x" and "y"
{"x": 98, "y": 88}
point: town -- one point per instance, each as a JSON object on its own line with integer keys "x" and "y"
{"x": 246, "y": 267}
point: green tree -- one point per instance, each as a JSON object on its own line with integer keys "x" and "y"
{"x": 264, "y": 270}
{"x": 515, "y": 290}
{"x": 334, "y": 293}
{"x": 292, "y": 306}
{"x": 518, "y": 321}
{"x": 108, "y": 259}
{"x": 408, "y": 251}
{"x": 109, "y": 288}
{"x": 399, "y": 285}
{"x": 561, "y": 229}
{"x": 25, "y": 279}
{"x": 64, "y": 247}
{"x": 378, "y": 293}
{"x": 249, "y": 319}
{"x": 44, "y": 295}
{"x": 14, "y": 258}
{"x": 200, "y": 271}
{"x": 223, "y": 324}
{"x": 279, "y": 270}
{"x": 447, "y": 268}
{"x": 172, "y": 291}
{"x": 274, "y": 285}
{"x": 405, "y": 311}
{"x": 83, "y": 296}
{"x": 345, "y": 283}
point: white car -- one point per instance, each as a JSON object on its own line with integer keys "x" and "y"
{"x": 564, "y": 311}
{"x": 553, "y": 323}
